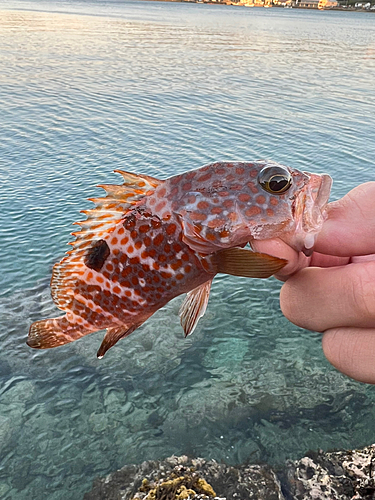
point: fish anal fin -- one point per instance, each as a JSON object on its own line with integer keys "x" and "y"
{"x": 242, "y": 262}
{"x": 194, "y": 307}
{"x": 113, "y": 335}
{"x": 54, "y": 332}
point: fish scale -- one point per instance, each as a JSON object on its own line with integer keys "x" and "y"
{"x": 148, "y": 241}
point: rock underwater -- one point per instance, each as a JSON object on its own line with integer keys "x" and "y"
{"x": 338, "y": 475}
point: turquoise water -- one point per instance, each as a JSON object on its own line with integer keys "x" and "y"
{"x": 160, "y": 88}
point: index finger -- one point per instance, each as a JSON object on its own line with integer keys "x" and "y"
{"x": 350, "y": 225}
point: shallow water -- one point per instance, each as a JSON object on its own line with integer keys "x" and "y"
{"x": 160, "y": 88}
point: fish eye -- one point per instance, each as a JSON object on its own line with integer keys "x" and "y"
{"x": 275, "y": 180}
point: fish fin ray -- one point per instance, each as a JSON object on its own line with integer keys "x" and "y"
{"x": 242, "y": 262}
{"x": 194, "y": 306}
{"x": 101, "y": 220}
{"x": 53, "y": 332}
{"x": 113, "y": 335}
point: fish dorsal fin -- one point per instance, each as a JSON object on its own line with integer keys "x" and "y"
{"x": 242, "y": 262}
{"x": 102, "y": 219}
{"x": 194, "y": 306}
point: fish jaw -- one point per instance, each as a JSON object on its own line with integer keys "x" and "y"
{"x": 309, "y": 213}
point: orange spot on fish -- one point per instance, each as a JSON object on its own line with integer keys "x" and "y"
{"x": 171, "y": 229}
{"x": 185, "y": 257}
{"x": 223, "y": 193}
{"x": 161, "y": 205}
{"x": 187, "y": 186}
{"x": 179, "y": 276}
{"x": 121, "y": 231}
{"x": 167, "y": 248}
{"x": 138, "y": 244}
{"x": 253, "y": 188}
{"x": 254, "y": 172}
{"x": 203, "y": 205}
{"x": 124, "y": 240}
{"x": 197, "y": 216}
{"x": 162, "y": 258}
{"x": 240, "y": 170}
{"x": 114, "y": 241}
{"x": 244, "y": 197}
{"x": 204, "y": 178}
{"x": 134, "y": 280}
{"x": 177, "y": 247}
{"x": 165, "y": 275}
{"x": 187, "y": 268}
{"x": 130, "y": 249}
{"x": 216, "y": 210}
{"x": 158, "y": 240}
{"x": 224, "y": 234}
{"x": 116, "y": 290}
{"x": 216, "y": 223}
{"x": 274, "y": 201}
{"x": 176, "y": 265}
{"x": 191, "y": 199}
{"x": 228, "y": 203}
{"x": 211, "y": 236}
{"x": 260, "y": 199}
{"x": 162, "y": 192}
{"x": 270, "y": 212}
{"x": 250, "y": 212}
{"x": 99, "y": 279}
{"x": 155, "y": 223}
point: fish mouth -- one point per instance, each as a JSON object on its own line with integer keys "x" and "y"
{"x": 309, "y": 211}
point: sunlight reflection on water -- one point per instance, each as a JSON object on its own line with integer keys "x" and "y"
{"x": 161, "y": 88}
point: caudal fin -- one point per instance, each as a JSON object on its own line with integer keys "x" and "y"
{"x": 53, "y": 332}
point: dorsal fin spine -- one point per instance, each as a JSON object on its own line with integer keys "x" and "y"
{"x": 102, "y": 219}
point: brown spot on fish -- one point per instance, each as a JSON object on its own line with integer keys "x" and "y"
{"x": 96, "y": 255}
{"x": 260, "y": 199}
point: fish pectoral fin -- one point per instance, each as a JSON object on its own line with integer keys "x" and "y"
{"x": 113, "y": 335}
{"x": 53, "y": 332}
{"x": 194, "y": 306}
{"x": 242, "y": 262}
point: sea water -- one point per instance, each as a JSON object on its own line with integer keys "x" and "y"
{"x": 160, "y": 88}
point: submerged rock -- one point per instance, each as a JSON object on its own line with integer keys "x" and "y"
{"x": 179, "y": 478}
{"x": 339, "y": 475}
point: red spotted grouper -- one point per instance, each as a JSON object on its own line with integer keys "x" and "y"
{"x": 149, "y": 240}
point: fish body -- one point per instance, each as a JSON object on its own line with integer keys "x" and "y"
{"x": 150, "y": 240}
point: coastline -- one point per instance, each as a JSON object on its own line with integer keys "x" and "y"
{"x": 269, "y": 3}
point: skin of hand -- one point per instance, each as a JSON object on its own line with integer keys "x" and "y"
{"x": 333, "y": 291}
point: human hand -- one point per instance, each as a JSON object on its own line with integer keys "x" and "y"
{"x": 333, "y": 291}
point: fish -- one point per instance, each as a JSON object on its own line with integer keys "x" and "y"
{"x": 149, "y": 240}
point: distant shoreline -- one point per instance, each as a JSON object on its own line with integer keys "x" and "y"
{"x": 266, "y": 5}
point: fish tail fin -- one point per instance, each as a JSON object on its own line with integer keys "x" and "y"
{"x": 53, "y": 332}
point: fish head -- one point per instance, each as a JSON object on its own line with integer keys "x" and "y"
{"x": 292, "y": 207}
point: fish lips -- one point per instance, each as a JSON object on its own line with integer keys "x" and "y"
{"x": 309, "y": 213}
